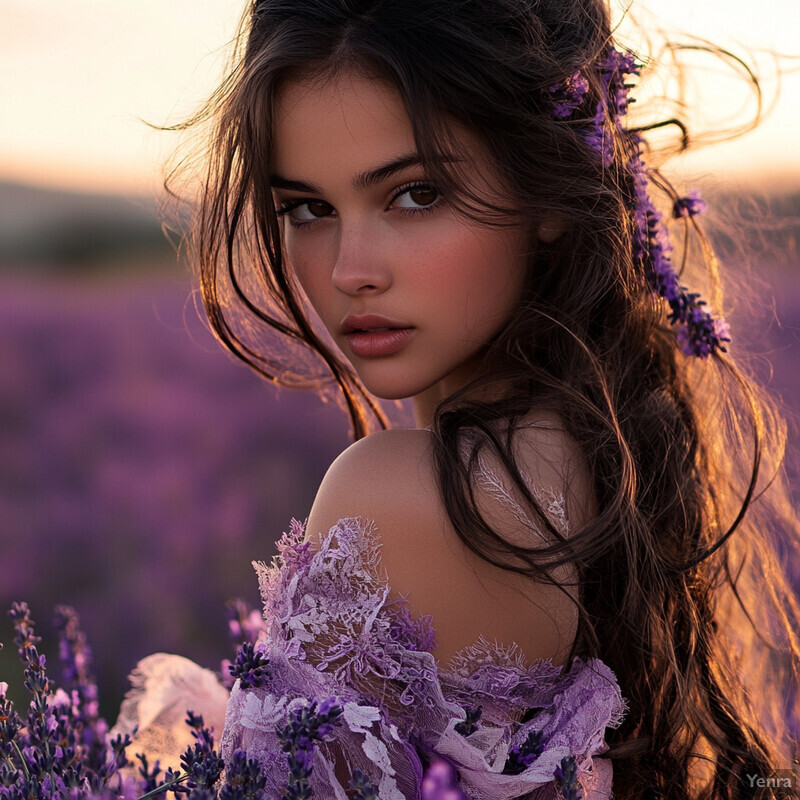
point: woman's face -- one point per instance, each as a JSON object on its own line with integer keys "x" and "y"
{"x": 410, "y": 290}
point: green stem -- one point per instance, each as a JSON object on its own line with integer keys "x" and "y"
{"x": 164, "y": 786}
{"x": 22, "y": 761}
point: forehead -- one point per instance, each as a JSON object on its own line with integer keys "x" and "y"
{"x": 345, "y": 123}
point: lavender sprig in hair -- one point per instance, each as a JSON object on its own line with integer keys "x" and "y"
{"x": 699, "y": 333}
{"x": 567, "y": 96}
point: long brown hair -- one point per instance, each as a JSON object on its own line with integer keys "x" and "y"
{"x": 683, "y": 588}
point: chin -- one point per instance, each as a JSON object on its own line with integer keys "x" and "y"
{"x": 393, "y": 389}
{"x": 383, "y": 393}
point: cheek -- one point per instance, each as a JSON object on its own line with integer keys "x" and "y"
{"x": 482, "y": 273}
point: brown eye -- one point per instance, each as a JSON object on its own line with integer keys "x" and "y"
{"x": 318, "y": 209}
{"x": 423, "y": 195}
{"x": 302, "y": 212}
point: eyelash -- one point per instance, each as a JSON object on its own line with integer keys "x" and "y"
{"x": 287, "y": 208}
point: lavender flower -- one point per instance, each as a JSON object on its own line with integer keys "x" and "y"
{"x": 613, "y": 104}
{"x": 702, "y": 333}
{"x": 201, "y": 761}
{"x": 699, "y": 334}
{"x": 597, "y": 137}
{"x": 76, "y": 661}
{"x": 470, "y": 724}
{"x": 36, "y": 680}
{"x": 689, "y": 206}
{"x": 566, "y": 96}
{"x": 520, "y": 757}
{"x": 613, "y": 69}
{"x": 243, "y": 779}
{"x": 440, "y": 782}
{"x": 362, "y": 788}
{"x": 79, "y": 686}
{"x": 61, "y": 750}
{"x": 306, "y": 726}
{"x": 38, "y": 751}
{"x": 9, "y": 726}
{"x": 245, "y": 626}
{"x": 250, "y": 666}
{"x": 567, "y": 777}
{"x": 148, "y": 773}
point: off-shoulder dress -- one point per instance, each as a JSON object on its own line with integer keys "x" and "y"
{"x": 332, "y": 631}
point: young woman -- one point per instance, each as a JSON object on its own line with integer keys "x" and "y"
{"x": 445, "y": 201}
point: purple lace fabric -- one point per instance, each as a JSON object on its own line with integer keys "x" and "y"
{"x": 332, "y": 631}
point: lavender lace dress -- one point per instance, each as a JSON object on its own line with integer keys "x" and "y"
{"x": 331, "y": 631}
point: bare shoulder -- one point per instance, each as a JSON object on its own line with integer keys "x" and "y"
{"x": 378, "y": 477}
{"x": 390, "y": 479}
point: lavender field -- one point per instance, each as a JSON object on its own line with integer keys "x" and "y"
{"x": 142, "y": 469}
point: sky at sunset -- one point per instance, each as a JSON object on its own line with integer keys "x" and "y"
{"x": 79, "y": 76}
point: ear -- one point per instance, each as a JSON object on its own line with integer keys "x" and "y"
{"x": 551, "y": 226}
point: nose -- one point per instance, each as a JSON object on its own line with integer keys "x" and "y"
{"x": 361, "y": 264}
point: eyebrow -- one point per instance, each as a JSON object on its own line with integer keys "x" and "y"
{"x": 362, "y": 181}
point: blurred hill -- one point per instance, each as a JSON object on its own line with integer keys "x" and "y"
{"x": 45, "y": 229}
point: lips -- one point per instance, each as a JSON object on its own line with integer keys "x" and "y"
{"x": 372, "y": 336}
{"x": 370, "y": 323}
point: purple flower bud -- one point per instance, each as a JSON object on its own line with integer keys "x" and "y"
{"x": 690, "y": 206}
{"x": 250, "y": 667}
{"x": 51, "y": 723}
{"x": 566, "y": 96}
{"x": 470, "y": 724}
{"x": 521, "y": 756}
{"x": 362, "y": 788}
{"x": 567, "y": 776}
{"x": 306, "y": 726}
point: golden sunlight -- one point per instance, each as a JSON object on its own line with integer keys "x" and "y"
{"x": 80, "y": 77}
